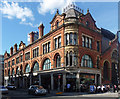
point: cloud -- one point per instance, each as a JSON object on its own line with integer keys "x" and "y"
{"x": 50, "y": 5}
{"x": 13, "y": 10}
{"x": 29, "y": 23}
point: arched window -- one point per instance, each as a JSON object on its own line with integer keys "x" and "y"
{"x": 86, "y": 61}
{"x": 58, "y": 61}
{"x": 13, "y": 72}
{"x": 47, "y": 64}
{"x": 106, "y": 70}
{"x": 27, "y": 69}
{"x": 75, "y": 59}
{"x": 70, "y": 58}
{"x": 17, "y": 70}
{"x": 35, "y": 67}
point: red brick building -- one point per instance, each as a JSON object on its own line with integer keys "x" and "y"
{"x": 75, "y": 51}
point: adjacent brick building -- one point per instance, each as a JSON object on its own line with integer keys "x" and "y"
{"x": 75, "y": 51}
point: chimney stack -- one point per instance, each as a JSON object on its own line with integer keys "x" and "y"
{"x": 15, "y": 48}
{"x": 31, "y": 37}
{"x": 11, "y": 51}
{"x": 41, "y": 30}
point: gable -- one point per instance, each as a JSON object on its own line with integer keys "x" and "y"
{"x": 88, "y": 21}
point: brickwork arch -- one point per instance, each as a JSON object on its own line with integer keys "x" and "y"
{"x": 106, "y": 70}
{"x": 43, "y": 59}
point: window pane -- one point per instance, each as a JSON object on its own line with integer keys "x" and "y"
{"x": 46, "y": 64}
{"x": 75, "y": 39}
{"x": 67, "y": 39}
{"x": 59, "y": 42}
{"x": 56, "y": 43}
{"x": 70, "y": 38}
{"x": 83, "y": 41}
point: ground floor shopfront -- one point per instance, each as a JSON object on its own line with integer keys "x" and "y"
{"x": 57, "y": 79}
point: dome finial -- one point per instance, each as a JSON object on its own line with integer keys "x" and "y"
{"x": 57, "y": 11}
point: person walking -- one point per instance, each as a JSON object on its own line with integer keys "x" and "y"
{"x": 68, "y": 87}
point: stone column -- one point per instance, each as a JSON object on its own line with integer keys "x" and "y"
{"x": 95, "y": 78}
{"x": 64, "y": 81}
{"x": 77, "y": 81}
{"x": 39, "y": 79}
{"x": 100, "y": 78}
{"x": 52, "y": 82}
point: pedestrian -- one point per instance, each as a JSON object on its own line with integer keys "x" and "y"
{"x": 114, "y": 88}
{"x": 48, "y": 87}
{"x": 68, "y": 87}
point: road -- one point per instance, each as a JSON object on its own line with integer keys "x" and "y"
{"x": 22, "y": 94}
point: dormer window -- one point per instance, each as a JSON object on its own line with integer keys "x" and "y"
{"x": 87, "y": 23}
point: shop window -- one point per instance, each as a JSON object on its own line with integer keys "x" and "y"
{"x": 36, "y": 67}
{"x": 47, "y": 64}
{"x": 27, "y": 69}
{"x": 86, "y": 61}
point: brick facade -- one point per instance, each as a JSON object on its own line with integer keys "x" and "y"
{"x": 80, "y": 36}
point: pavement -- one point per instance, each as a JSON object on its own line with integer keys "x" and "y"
{"x": 13, "y": 94}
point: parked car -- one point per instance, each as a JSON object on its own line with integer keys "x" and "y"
{"x": 10, "y": 86}
{"x": 37, "y": 90}
{"x": 3, "y": 90}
